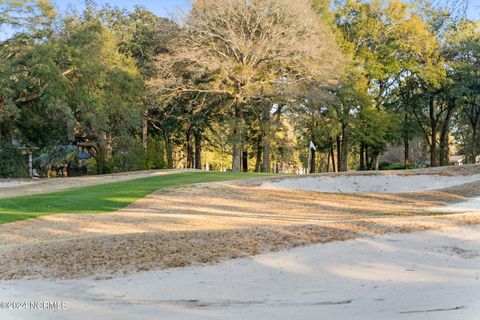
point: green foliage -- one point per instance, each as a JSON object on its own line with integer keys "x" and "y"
{"x": 128, "y": 155}
{"x": 30, "y": 14}
{"x": 385, "y": 165}
{"x": 155, "y": 155}
{"x": 375, "y": 128}
{"x": 463, "y": 49}
{"x": 141, "y": 35}
{"x": 12, "y": 163}
{"x": 43, "y": 114}
{"x": 348, "y": 75}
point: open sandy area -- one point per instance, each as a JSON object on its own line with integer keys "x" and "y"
{"x": 234, "y": 250}
{"x": 4, "y": 183}
{"x": 208, "y": 223}
{"x": 423, "y": 275}
{"x": 371, "y": 183}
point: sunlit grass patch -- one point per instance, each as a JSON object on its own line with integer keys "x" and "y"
{"x": 103, "y": 197}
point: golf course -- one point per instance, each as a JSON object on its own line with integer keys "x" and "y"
{"x": 240, "y": 159}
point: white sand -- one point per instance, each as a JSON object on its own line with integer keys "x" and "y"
{"x": 471, "y": 205}
{"x": 424, "y": 275}
{"x": 14, "y": 183}
{"x": 371, "y": 183}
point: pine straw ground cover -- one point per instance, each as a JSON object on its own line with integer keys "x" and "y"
{"x": 210, "y": 223}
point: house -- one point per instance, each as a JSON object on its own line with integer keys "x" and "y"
{"x": 458, "y": 160}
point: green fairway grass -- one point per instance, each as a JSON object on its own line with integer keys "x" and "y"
{"x": 103, "y": 197}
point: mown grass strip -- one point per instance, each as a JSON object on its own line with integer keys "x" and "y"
{"x": 103, "y": 197}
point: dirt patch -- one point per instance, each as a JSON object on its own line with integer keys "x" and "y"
{"x": 208, "y": 223}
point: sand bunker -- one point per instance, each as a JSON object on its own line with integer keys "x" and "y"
{"x": 418, "y": 276}
{"x": 371, "y": 183}
{"x": 14, "y": 183}
{"x": 471, "y": 205}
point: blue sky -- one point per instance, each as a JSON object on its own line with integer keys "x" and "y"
{"x": 167, "y": 8}
{"x": 163, "y": 8}
{"x": 474, "y": 9}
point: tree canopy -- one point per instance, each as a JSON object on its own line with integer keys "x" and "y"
{"x": 239, "y": 85}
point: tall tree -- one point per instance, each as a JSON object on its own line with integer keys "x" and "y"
{"x": 387, "y": 38}
{"x": 463, "y": 52}
{"x": 252, "y": 46}
{"x": 29, "y": 20}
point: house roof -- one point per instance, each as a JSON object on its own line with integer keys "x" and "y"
{"x": 457, "y": 158}
{"x": 84, "y": 155}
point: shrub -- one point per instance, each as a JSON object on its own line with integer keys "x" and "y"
{"x": 12, "y": 163}
{"x": 91, "y": 166}
{"x": 385, "y": 165}
{"x": 419, "y": 165}
{"x": 127, "y": 156}
{"x": 155, "y": 155}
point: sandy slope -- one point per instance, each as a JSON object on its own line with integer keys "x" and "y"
{"x": 423, "y": 275}
{"x": 121, "y": 265}
{"x": 390, "y": 183}
{"x": 208, "y": 223}
{"x": 7, "y": 183}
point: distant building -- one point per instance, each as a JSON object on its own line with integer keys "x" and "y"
{"x": 459, "y": 160}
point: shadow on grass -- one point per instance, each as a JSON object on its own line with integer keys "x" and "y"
{"x": 103, "y": 197}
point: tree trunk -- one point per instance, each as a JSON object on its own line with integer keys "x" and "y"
{"x": 374, "y": 161}
{"x": 312, "y": 160}
{"x": 368, "y": 164}
{"x": 433, "y": 150}
{"x": 101, "y": 158}
{"x": 168, "y": 149}
{"x": 266, "y": 156}
{"x": 406, "y": 140}
{"x": 189, "y": 145}
{"x": 344, "y": 150}
{"x": 328, "y": 161}
{"x": 433, "y": 133}
{"x": 444, "y": 153}
{"x": 473, "y": 150}
{"x": 406, "y": 146}
{"x": 258, "y": 158}
{"x": 237, "y": 139}
{"x": 245, "y": 161}
{"x": 198, "y": 150}
{"x": 339, "y": 152}
{"x": 237, "y": 156}
{"x": 145, "y": 130}
{"x": 266, "y": 123}
{"x": 473, "y": 116}
{"x": 444, "y": 140}
{"x": 362, "y": 157}
{"x": 377, "y": 162}
{"x": 333, "y": 158}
